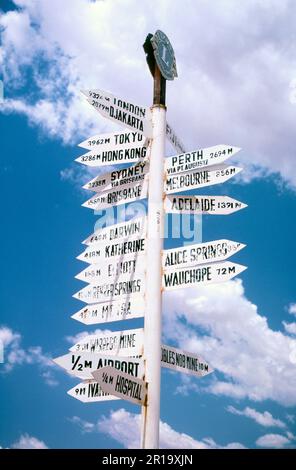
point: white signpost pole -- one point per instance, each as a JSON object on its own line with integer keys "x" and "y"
{"x": 152, "y": 330}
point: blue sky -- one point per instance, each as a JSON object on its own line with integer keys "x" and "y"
{"x": 239, "y": 92}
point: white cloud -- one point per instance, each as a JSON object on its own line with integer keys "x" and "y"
{"x": 15, "y": 355}
{"x": 265, "y": 419}
{"x": 290, "y": 327}
{"x": 29, "y": 442}
{"x": 124, "y": 427}
{"x": 233, "y": 89}
{"x": 276, "y": 441}
{"x": 292, "y": 309}
{"x": 222, "y": 325}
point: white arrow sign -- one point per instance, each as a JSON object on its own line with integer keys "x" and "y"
{"x": 191, "y": 255}
{"x": 90, "y": 392}
{"x": 205, "y": 274}
{"x": 128, "y": 249}
{"x": 175, "y": 141}
{"x": 199, "y": 158}
{"x": 121, "y": 111}
{"x": 220, "y": 205}
{"x": 121, "y": 385}
{"x": 114, "y": 157}
{"x": 118, "y": 178}
{"x": 183, "y": 361}
{"x": 83, "y": 364}
{"x": 94, "y": 293}
{"x": 123, "y": 309}
{"x": 113, "y": 343}
{"x": 134, "y": 228}
{"x": 114, "y": 141}
{"x": 121, "y": 270}
{"x": 199, "y": 179}
{"x": 115, "y": 197}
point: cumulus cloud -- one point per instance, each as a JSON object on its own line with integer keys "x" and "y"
{"x": 124, "y": 427}
{"x": 236, "y": 79}
{"x": 265, "y": 419}
{"x": 290, "y": 327}
{"x": 292, "y": 309}
{"x": 29, "y": 442}
{"x": 16, "y": 355}
{"x": 274, "y": 441}
{"x": 249, "y": 358}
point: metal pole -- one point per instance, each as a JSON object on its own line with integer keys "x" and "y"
{"x": 152, "y": 329}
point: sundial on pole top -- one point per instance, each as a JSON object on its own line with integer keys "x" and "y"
{"x": 164, "y": 55}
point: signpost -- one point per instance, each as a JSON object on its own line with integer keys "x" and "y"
{"x": 127, "y": 267}
{"x": 204, "y": 274}
{"x": 124, "y": 309}
{"x": 104, "y": 292}
{"x": 121, "y": 385}
{"x": 129, "y": 249}
{"x": 83, "y": 364}
{"x": 114, "y": 343}
{"x": 133, "y": 229}
{"x": 121, "y": 270}
{"x": 220, "y": 205}
{"x": 118, "y": 178}
{"x": 121, "y": 111}
{"x": 190, "y": 161}
{"x": 200, "y": 253}
{"x": 115, "y": 197}
{"x": 183, "y": 361}
{"x": 90, "y": 392}
{"x": 199, "y": 179}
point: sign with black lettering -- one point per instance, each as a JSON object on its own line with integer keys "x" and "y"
{"x": 94, "y": 293}
{"x": 133, "y": 229}
{"x": 119, "y": 270}
{"x": 188, "y": 161}
{"x": 115, "y": 343}
{"x": 204, "y": 274}
{"x": 90, "y": 392}
{"x": 174, "y": 139}
{"x": 121, "y": 111}
{"x": 121, "y": 385}
{"x": 220, "y": 205}
{"x": 200, "y": 253}
{"x": 114, "y": 141}
{"x": 115, "y": 197}
{"x": 119, "y": 178}
{"x": 183, "y": 361}
{"x": 106, "y": 312}
{"x": 199, "y": 178}
{"x": 97, "y": 252}
{"x": 83, "y": 364}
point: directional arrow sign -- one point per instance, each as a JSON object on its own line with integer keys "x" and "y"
{"x": 128, "y": 249}
{"x": 202, "y": 204}
{"x": 175, "y": 141}
{"x": 83, "y": 364}
{"x": 134, "y": 228}
{"x": 191, "y": 255}
{"x": 121, "y": 111}
{"x": 114, "y": 141}
{"x": 123, "y": 309}
{"x": 114, "y": 157}
{"x": 121, "y": 385}
{"x": 94, "y": 293}
{"x": 90, "y": 392}
{"x": 121, "y": 270}
{"x": 205, "y": 274}
{"x": 118, "y": 178}
{"x": 115, "y": 197}
{"x": 114, "y": 343}
{"x": 199, "y": 179}
{"x": 199, "y": 158}
{"x": 183, "y": 361}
